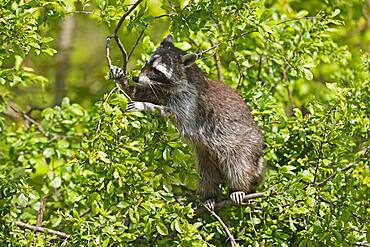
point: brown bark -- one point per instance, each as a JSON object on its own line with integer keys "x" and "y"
{"x": 63, "y": 58}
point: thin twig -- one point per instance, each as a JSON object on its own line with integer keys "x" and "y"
{"x": 322, "y": 183}
{"x": 107, "y": 52}
{"x": 105, "y": 101}
{"x": 141, "y": 35}
{"x": 290, "y": 97}
{"x": 124, "y": 53}
{"x": 137, "y": 42}
{"x": 43, "y": 229}
{"x": 259, "y": 68}
{"x": 30, "y": 119}
{"x": 218, "y": 65}
{"x": 118, "y": 41}
{"x": 123, "y": 92}
{"x": 228, "y": 40}
{"x": 81, "y": 12}
{"x": 34, "y": 108}
{"x": 252, "y": 31}
{"x": 297, "y": 19}
{"x": 85, "y": 212}
{"x": 133, "y": 7}
{"x": 231, "y": 237}
{"x": 241, "y": 76}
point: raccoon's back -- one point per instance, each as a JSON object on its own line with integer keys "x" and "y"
{"x": 227, "y": 119}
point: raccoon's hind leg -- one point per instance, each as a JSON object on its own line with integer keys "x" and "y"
{"x": 243, "y": 176}
{"x": 210, "y": 180}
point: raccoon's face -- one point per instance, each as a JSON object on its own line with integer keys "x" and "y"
{"x": 166, "y": 68}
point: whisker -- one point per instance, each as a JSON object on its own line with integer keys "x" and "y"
{"x": 151, "y": 87}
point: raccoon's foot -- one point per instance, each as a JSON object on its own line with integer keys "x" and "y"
{"x": 237, "y": 197}
{"x": 210, "y": 204}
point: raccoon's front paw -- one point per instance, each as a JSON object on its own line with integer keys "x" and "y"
{"x": 237, "y": 197}
{"x": 117, "y": 73}
{"x": 134, "y": 106}
{"x": 210, "y": 204}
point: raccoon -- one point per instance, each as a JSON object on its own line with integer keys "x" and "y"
{"x": 212, "y": 117}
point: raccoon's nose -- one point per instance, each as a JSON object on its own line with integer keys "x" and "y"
{"x": 135, "y": 79}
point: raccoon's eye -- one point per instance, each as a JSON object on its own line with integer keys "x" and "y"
{"x": 158, "y": 76}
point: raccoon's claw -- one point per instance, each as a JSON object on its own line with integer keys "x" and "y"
{"x": 210, "y": 204}
{"x": 130, "y": 106}
{"x": 237, "y": 197}
{"x": 116, "y": 73}
{"x": 134, "y": 106}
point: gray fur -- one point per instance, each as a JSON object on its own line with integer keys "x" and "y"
{"x": 212, "y": 117}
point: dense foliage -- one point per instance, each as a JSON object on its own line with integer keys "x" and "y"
{"x": 303, "y": 67}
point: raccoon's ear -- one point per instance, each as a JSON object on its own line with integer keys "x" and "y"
{"x": 167, "y": 40}
{"x": 189, "y": 59}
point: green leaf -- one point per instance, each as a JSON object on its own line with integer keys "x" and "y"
{"x": 18, "y": 62}
{"x": 177, "y": 226}
{"x": 307, "y": 73}
{"x": 122, "y": 101}
{"x": 307, "y": 176}
{"x": 65, "y": 102}
{"x": 14, "y": 5}
{"x": 103, "y": 157}
{"x": 106, "y": 242}
{"x": 335, "y": 13}
{"x": 50, "y": 51}
{"x": 48, "y": 152}
{"x": 22, "y": 200}
{"x": 256, "y": 221}
{"x": 161, "y": 228}
{"x": 16, "y": 80}
{"x": 62, "y": 144}
{"x": 77, "y": 110}
{"x": 56, "y": 182}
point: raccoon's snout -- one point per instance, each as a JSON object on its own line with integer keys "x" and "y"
{"x": 135, "y": 79}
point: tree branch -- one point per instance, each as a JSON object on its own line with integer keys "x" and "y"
{"x": 30, "y": 119}
{"x": 118, "y": 41}
{"x": 228, "y": 201}
{"x": 43, "y": 229}
{"x": 231, "y": 237}
{"x": 63, "y": 58}
{"x": 137, "y": 42}
{"x": 40, "y": 212}
{"x": 200, "y": 54}
{"x": 322, "y": 183}
{"x": 133, "y": 7}
{"x": 218, "y": 65}
{"x": 124, "y": 54}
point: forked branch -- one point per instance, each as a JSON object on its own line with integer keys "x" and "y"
{"x": 120, "y": 45}
{"x": 118, "y": 74}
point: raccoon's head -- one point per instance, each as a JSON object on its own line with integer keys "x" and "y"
{"x": 166, "y": 67}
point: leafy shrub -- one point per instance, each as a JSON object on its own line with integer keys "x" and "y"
{"x": 133, "y": 182}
